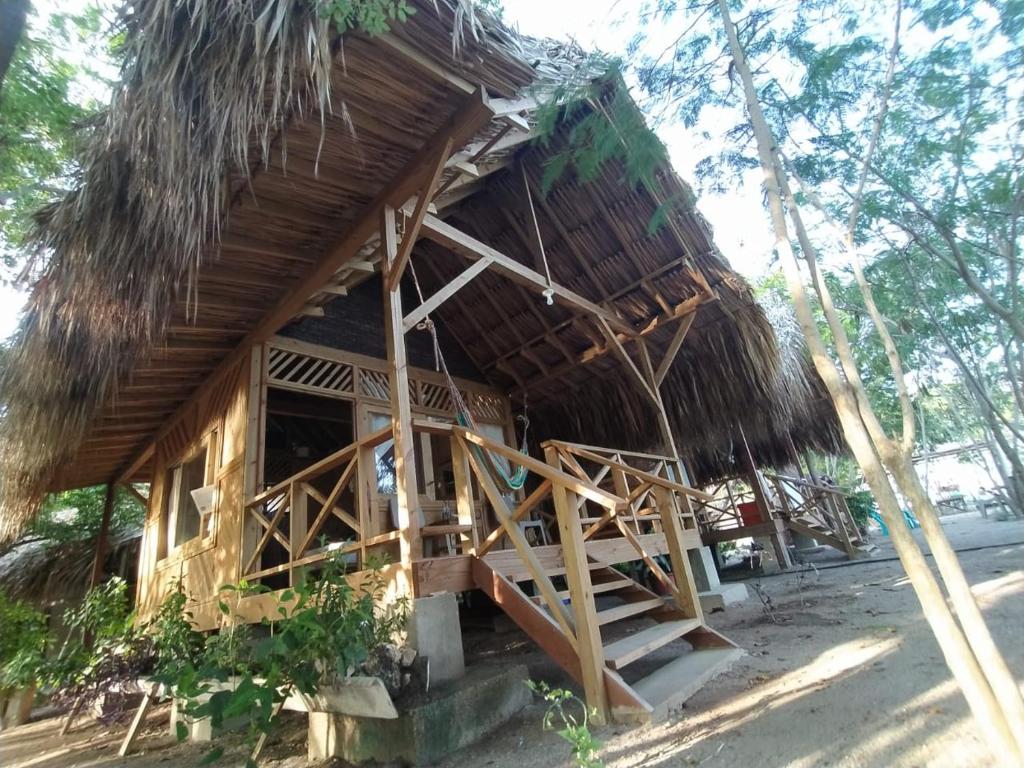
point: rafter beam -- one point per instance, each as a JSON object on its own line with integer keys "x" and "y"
{"x": 416, "y": 316}
{"x": 412, "y": 226}
{"x": 459, "y": 242}
{"x": 464, "y": 123}
{"x": 616, "y": 346}
{"x": 685, "y": 311}
{"x": 673, "y": 348}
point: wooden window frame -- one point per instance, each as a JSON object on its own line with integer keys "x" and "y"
{"x": 174, "y": 553}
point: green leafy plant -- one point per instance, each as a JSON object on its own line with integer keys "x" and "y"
{"x": 370, "y": 16}
{"x": 176, "y": 642}
{"x": 861, "y": 504}
{"x": 101, "y": 653}
{"x": 325, "y": 630}
{"x": 23, "y": 642}
{"x": 567, "y": 714}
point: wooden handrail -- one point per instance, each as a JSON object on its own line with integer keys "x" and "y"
{"x": 592, "y": 492}
{"x": 328, "y": 463}
{"x": 646, "y": 476}
{"x": 613, "y": 451}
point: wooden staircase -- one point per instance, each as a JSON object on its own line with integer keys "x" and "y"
{"x": 649, "y": 695}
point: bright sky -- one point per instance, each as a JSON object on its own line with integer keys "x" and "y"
{"x": 741, "y": 228}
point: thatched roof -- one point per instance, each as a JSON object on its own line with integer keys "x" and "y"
{"x": 239, "y": 150}
{"x": 47, "y": 573}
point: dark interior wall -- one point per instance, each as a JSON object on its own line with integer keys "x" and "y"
{"x": 355, "y": 323}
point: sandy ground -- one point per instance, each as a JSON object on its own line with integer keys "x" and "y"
{"x": 848, "y": 674}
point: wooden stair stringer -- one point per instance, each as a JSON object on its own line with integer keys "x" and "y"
{"x": 625, "y": 704}
{"x": 853, "y": 551}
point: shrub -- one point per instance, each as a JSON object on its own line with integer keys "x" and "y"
{"x": 861, "y": 504}
{"x": 23, "y": 643}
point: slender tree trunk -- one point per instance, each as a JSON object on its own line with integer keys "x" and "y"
{"x": 958, "y": 654}
{"x": 12, "y": 24}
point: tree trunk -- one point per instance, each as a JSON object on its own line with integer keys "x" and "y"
{"x": 962, "y": 662}
{"x": 12, "y": 24}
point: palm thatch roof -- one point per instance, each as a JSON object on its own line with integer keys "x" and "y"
{"x": 246, "y": 141}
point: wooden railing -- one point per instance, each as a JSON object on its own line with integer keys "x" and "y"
{"x": 721, "y": 511}
{"x": 650, "y": 500}
{"x": 819, "y": 505}
{"x": 292, "y": 500}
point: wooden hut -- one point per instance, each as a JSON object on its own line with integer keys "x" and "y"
{"x": 240, "y": 305}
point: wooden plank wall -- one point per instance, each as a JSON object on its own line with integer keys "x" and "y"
{"x": 202, "y": 565}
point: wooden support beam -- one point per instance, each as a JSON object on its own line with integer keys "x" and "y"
{"x": 459, "y": 242}
{"x": 673, "y": 348}
{"x": 99, "y": 555}
{"x": 470, "y": 117}
{"x": 143, "y": 500}
{"x": 638, "y": 378}
{"x": 682, "y": 311}
{"x": 423, "y": 62}
{"x": 412, "y": 226}
{"x": 581, "y": 591}
{"x": 464, "y": 496}
{"x": 410, "y": 544}
{"x": 416, "y": 316}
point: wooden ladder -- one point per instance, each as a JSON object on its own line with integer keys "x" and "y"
{"x": 646, "y": 698}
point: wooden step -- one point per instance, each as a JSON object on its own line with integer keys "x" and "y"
{"x": 626, "y": 610}
{"x": 597, "y": 588}
{"x": 669, "y": 686}
{"x": 639, "y": 644}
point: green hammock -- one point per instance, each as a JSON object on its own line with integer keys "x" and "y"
{"x": 498, "y": 466}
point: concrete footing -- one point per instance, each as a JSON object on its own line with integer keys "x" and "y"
{"x": 702, "y": 564}
{"x": 724, "y": 594}
{"x": 448, "y": 718}
{"x": 434, "y": 631}
{"x": 16, "y": 706}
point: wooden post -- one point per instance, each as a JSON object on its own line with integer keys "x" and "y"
{"x": 255, "y": 426}
{"x": 366, "y": 498}
{"x": 464, "y": 496}
{"x": 103, "y": 538}
{"x": 581, "y": 593}
{"x": 410, "y": 544}
{"x": 686, "y": 589}
{"x": 761, "y": 499}
{"x": 671, "y": 522}
{"x": 298, "y": 525}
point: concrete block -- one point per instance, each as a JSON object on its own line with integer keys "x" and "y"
{"x": 16, "y": 706}
{"x": 724, "y": 594}
{"x": 435, "y": 633}
{"x": 201, "y": 729}
{"x": 429, "y": 729}
{"x": 702, "y": 563}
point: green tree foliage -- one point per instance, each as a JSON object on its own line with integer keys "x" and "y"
{"x": 76, "y": 515}
{"x": 47, "y": 97}
{"x": 22, "y": 642}
{"x": 940, "y": 225}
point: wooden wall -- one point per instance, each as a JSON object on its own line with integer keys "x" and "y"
{"x": 203, "y": 565}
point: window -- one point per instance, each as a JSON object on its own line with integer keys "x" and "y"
{"x": 188, "y": 511}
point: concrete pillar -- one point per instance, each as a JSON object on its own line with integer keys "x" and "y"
{"x": 775, "y": 554}
{"x": 436, "y": 634}
{"x": 702, "y": 563}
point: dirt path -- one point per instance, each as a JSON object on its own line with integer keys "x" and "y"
{"x": 849, "y": 675}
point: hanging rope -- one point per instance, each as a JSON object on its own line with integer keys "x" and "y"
{"x": 498, "y": 466}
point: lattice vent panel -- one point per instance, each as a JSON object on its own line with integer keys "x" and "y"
{"x": 488, "y": 408}
{"x": 284, "y": 367}
{"x": 436, "y": 396}
{"x": 374, "y": 384}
